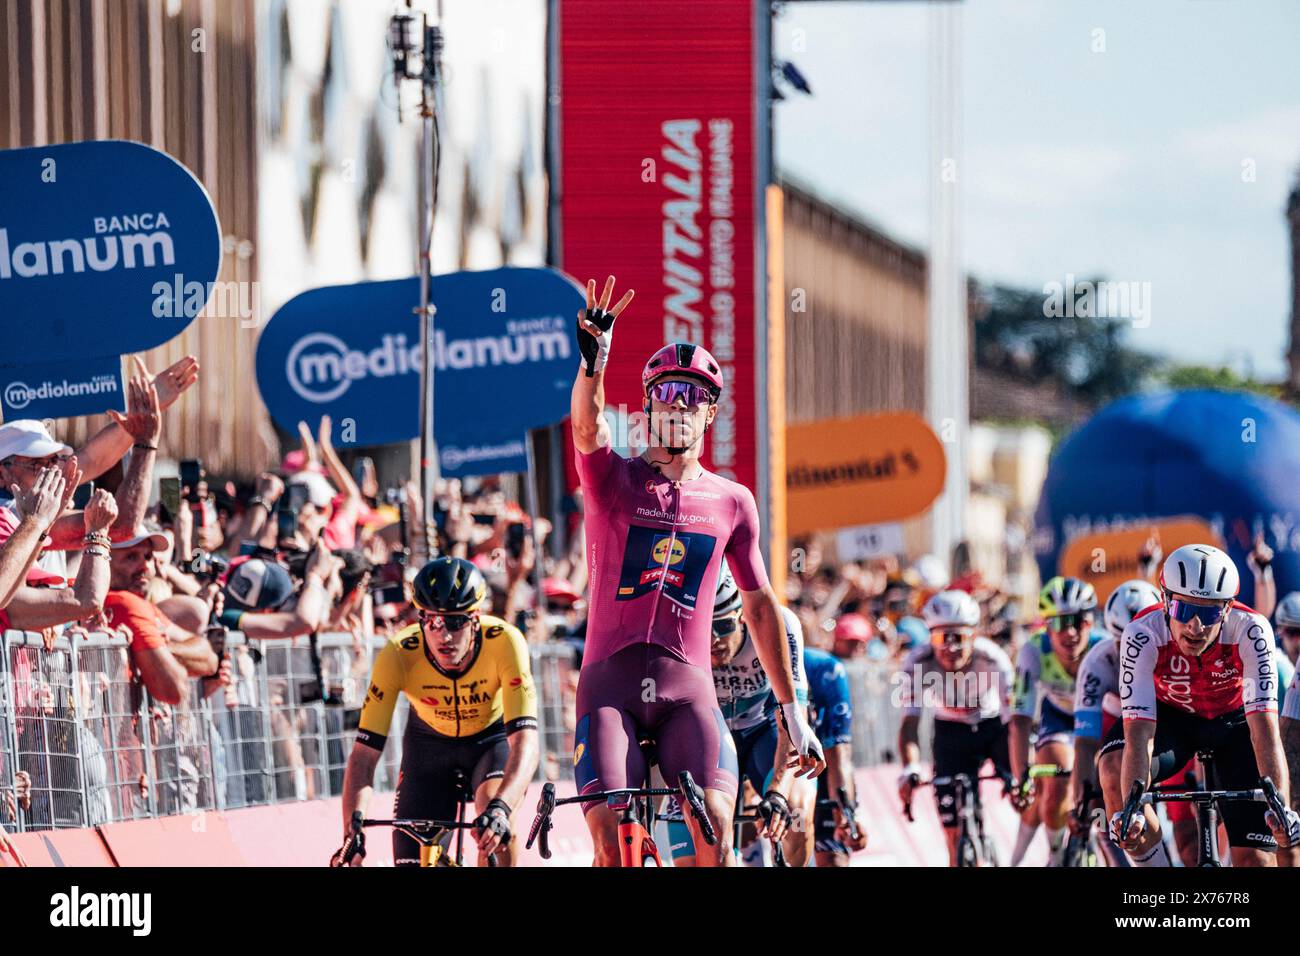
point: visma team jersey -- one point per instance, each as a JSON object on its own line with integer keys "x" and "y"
{"x": 654, "y": 548}
{"x": 1040, "y": 675}
{"x": 980, "y": 691}
{"x": 1237, "y": 671}
{"x": 744, "y": 692}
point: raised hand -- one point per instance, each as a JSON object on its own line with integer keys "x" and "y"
{"x": 45, "y": 501}
{"x": 143, "y": 418}
{"x": 101, "y": 511}
{"x": 172, "y": 381}
{"x": 596, "y": 324}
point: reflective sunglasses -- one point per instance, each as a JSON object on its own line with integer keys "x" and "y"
{"x": 1184, "y": 611}
{"x": 449, "y": 622}
{"x": 669, "y": 392}
{"x": 725, "y": 626}
{"x": 1063, "y": 622}
{"x": 944, "y": 638}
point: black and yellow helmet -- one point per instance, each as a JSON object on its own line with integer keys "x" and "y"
{"x": 449, "y": 585}
{"x": 1066, "y": 596}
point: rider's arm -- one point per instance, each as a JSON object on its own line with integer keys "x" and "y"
{"x": 909, "y": 739}
{"x": 358, "y": 780}
{"x": 586, "y": 411}
{"x": 1137, "y": 661}
{"x": 386, "y": 680}
{"x": 519, "y": 706}
{"x": 1023, "y": 705}
{"x": 1291, "y": 750}
{"x": 1267, "y": 743}
{"x": 763, "y": 616}
{"x": 1089, "y": 692}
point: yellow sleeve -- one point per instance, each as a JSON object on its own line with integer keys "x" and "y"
{"x": 385, "y": 685}
{"x": 518, "y": 694}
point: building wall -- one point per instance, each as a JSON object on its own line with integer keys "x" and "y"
{"x": 855, "y": 337}
{"x": 858, "y": 342}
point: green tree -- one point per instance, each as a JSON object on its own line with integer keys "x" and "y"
{"x": 1086, "y": 355}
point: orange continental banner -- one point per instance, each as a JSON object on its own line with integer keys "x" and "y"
{"x": 868, "y": 469}
{"x": 1109, "y": 558}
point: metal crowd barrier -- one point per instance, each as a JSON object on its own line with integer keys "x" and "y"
{"x": 81, "y": 742}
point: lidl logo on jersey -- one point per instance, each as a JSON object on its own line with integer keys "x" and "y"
{"x": 655, "y": 559}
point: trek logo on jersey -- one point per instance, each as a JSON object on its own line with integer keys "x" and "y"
{"x": 674, "y": 563}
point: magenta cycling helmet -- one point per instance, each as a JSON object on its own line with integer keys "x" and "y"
{"x": 682, "y": 358}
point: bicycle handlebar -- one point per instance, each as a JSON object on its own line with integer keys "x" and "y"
{"x": 847, "y": 812}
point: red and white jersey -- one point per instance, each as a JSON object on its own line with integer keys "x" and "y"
{"x": 1237, "y": 671}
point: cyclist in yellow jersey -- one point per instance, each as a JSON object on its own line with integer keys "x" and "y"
{"x": 473, "y": 711}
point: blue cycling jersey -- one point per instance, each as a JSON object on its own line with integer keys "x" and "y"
{"x": 828, "y": 692}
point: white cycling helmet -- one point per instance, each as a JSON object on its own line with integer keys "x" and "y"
{"x": 727, "y": 599}
{"x": 951, "y": 609}
{"x": 1202, "y": 571}
{"x": 1126, "y": 600}
{"x": 1288, "y": 611}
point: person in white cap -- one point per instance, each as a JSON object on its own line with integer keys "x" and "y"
{"x": 26, "y": 448}
{"x": 40, "y": 600}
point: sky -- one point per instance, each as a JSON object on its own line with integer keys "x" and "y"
{"x": 1165, "y": 156}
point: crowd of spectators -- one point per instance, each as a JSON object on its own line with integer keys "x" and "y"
{"x": 174, "y": 562}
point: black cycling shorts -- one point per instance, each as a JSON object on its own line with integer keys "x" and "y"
{"x": 426, "y": 783}
{"x": 963, "y": 748}
{"x": 1180, "y": 736}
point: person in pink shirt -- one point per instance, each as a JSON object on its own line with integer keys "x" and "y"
{"x": 657, "y": 528}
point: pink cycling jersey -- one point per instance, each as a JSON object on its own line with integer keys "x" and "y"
{"x": 654, "y": 549}
{"x": 1236, "y": 672}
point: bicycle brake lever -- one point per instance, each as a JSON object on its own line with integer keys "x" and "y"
{"x": 695, "y": 800}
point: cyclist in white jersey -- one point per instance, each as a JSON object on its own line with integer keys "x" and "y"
{"x": 1096, "y": 689}
{"x": 965, "y": 681}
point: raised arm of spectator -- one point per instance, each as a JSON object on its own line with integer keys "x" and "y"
{"x": 107, "y": 446}
{"x": 339, "y": 474}
{"x": 34, "y": 609}
{"x": 266, "y": 492}
{"x": 39, "y": 507}
{"x": 311, "y": 610}
{"x": 143, "y": 422}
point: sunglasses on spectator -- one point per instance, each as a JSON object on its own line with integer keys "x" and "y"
{"x": 669, "y": 392}
{"x": 448, "y": 622}
{"x": 1184, "y": 611}
{"x": 725, "y": 626}
{"x": 1063, "y": 622}
{"x": 37, "y": 464}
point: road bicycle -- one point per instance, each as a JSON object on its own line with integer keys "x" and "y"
{"x": 635, "y": 809}
{"x": 974, "y": 846}
{"x": 1206, "y": 804}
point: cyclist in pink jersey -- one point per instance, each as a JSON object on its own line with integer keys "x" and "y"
{"x": 657, "y": 528}
{"x": 1197, "y": 676}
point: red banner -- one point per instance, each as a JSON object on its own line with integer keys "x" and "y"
{"x": 658, "y": 175}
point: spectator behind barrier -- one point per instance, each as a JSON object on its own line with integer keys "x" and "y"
{"x": 261, "y": 600}
{"x": 165, "y": 655}
{"x": 26, "y": 447}
{"x": 42, "y": 602}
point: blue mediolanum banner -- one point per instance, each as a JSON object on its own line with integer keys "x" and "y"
{"x": 95, "y": 239}
{"x": 62, "y": 389}
{"x": 504, "y": 357}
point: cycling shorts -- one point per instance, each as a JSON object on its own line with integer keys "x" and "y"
{"x": 1054, "y": 726}
{"x": 643, "y": 691}
{"x": 963, "y": 748}
{"x": 426, "y": 783}
{"x": 1180, "y": 736}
